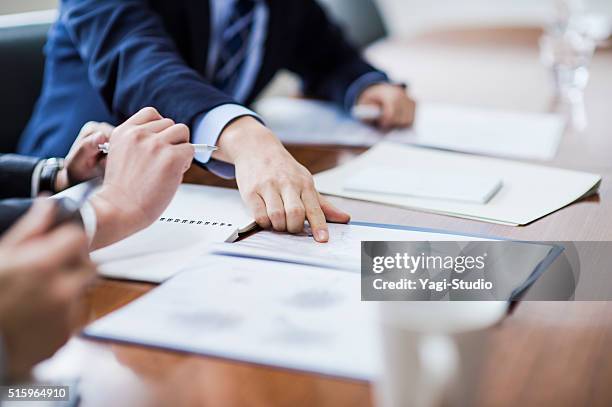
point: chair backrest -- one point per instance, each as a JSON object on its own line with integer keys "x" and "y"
{"x": 21, "y": 72}
{"x": 360, "y": 18}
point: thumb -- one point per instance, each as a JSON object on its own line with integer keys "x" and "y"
{"x": 35, "y": 222}
{"x": 333, "y": 214}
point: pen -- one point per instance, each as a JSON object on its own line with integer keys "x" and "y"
{"x": 366, "y": 112}
{"x": 199, "y": 148}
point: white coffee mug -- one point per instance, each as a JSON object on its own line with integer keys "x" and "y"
{"x": 432, "y": 351}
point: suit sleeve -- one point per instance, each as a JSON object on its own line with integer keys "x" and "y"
{"x": 133, "y": 62}
{"x": 11, "y": 210}
{"x": 325, "y": 60}
{"x": 16, "y": 175}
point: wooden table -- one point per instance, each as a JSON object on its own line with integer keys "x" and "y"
{"x": 544, "y": 353}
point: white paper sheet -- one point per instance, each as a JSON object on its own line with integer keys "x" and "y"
{"x": 297, "y": 317}
{"x": 460, "y": 128}
{"x": 529, "y": 191}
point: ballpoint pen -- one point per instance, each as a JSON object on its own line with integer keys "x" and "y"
{"x": 199, "y": 148}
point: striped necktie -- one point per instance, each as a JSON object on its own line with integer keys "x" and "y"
{"x": 234, "y": 45}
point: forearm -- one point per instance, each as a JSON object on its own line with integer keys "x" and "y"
{"x": 113, "y": 223}
{"x": 245, "y": 136}
{"x": 332, "y": 72}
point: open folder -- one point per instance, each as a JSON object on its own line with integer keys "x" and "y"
{"x": 528, "y": 192}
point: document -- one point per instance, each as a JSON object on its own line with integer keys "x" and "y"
{"x": 528, "y": 191}
{"x": 297, "y": 308}
{"x": 343, "y": 251}
{"x": 475, "y": 130}
{"x": 197, "y": 217}
{"x": 453, "y": 186}
{"x": 298, "y": 317}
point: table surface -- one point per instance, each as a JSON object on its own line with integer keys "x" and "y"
{"x": 544, "y": 353}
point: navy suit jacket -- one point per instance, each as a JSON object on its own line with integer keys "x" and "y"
{"x": 106, "y": 59}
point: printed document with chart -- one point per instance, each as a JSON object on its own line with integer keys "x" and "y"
{"x": 298, "y": 308}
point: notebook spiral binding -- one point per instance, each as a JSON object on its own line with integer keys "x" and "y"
{"x": 194, "y": 222}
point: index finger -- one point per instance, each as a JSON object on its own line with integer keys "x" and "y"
{"x": 315, "y": 216}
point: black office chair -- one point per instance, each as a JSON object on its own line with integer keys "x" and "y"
{"x": 21, "y": 72}
{"x": 360, "y": 18}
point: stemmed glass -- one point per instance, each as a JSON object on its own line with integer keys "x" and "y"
{"x": 566, "y": 48}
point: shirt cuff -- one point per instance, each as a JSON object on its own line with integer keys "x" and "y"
{"x": 360, "y": 84}
{"x": 90, "y": 221}
{"x": 207, "y": 129}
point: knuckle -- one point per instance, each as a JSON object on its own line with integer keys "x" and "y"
{"x": 307, "y": 182}
{"x": 296, "y": 212}
{"x": 182, "y": 128}
{"x": 137, "y": 133}
{"x": 277, "y": 216}
{"x": 149, "y": 111}
{"x": 267, "y": 183}
{"x": 262, "y": 220}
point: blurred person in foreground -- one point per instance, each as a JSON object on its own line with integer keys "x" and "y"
{"x": 45, "y": 268}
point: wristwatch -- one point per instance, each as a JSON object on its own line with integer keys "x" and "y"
{"x": 48, "y": 174}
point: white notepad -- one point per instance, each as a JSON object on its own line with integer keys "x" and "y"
{"x": 197, "y": 217}
{"x": 529, "y": 191}
{"x": 467, "y": 129}
{"x": 450, "y": 186}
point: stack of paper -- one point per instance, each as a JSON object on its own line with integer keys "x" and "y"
{"x": 528, "y": 192}
{"x": 450, "y": 127}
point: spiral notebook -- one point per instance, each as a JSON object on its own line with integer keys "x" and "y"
{"x": 197, "y": 217}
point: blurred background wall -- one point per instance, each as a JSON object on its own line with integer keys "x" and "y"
{"x": 368, "y": 20}
{"x": 19, "y": 6}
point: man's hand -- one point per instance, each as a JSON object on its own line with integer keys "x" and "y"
{"x": 397, "y": 107}
{"x": 147, "y": 159}
{"x": 43, "y": 275}
{"x": 278, "y": 190}
{"x": 84, "y": 161}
